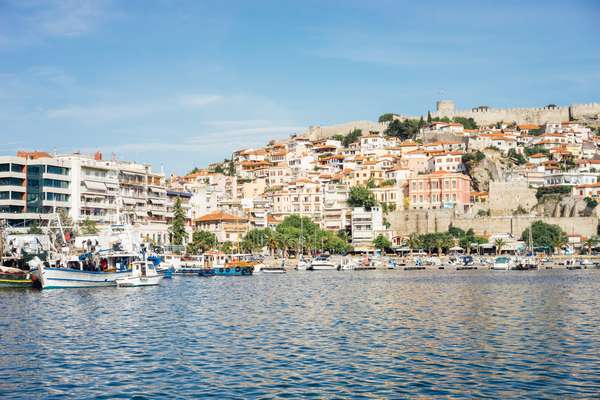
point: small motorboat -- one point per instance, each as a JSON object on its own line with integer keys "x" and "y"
{"x": 321, "y": 263}
{"x": 503, "y": 263}
{"x": 143, "y": 273}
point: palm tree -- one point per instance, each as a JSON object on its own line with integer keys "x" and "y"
{"x": 414, "y": 242}
{"x": 439, "y": 243}
{"x": 272, "y": 242}
{"x": 499, "y": 243}
{"x": 590, "y": 243}
{"x": 558, "y": 242}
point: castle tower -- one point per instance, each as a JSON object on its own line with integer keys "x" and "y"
{"x": 444, "y": 106}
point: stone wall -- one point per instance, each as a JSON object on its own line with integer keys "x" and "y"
{"x": 320, "y": 132}
{"x": 506, "y": 197}
{"x": 539, "y": 115}
{"x": 405, "y": 222}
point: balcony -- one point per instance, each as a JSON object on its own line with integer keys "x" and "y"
{"x": 12, "y": 202}
{"x": 12, "y": 174}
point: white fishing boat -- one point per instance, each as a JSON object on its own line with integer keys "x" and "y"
{"x": 503, "y": 263}
{"x": 143, "y": 273}
{"x": 78, "y": 273}
{"x": 321, "y": 263}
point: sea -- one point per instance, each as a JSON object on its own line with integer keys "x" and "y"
{"x": 343, "y": 335}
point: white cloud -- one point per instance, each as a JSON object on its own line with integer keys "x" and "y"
{"x": 102, "y": 112}
{"x": 199, "y": 100}
{"x": 223, "y": 141}
{"x": 23, "y": 22}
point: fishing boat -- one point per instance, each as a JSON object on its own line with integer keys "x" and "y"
{"x": 525, "y": 264}
{"x": 143, "y": 273}
{"x": 14, "y": 277}
{"x": 235, "y": 268}
{"x": 503, "y": 263}
{"x": 321, "y": 263}
{"x": 81, "y": 272}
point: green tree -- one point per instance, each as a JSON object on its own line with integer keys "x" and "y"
{"x": 387, "y": 117}
{"x": 88, "y": 227}
{"x": 590, "y": 243}
{"x": 529, "y": 151}
{"x": 558, "y": 190}
{"x": 227, "y": 247}
{"x": 177, "y": 228}
{"x": 499, "y": 244}
{"x": 361, "y": 196}
{"x": 404, "y": 130}
{"x": 230, "y": 167}
{"x": 202, "y": 241}
{"x": 414, "y": 242}
{"x": 382, "y": 243}
{"x": 351, "y": 137}
{"x": 429, "y": 120}
{"x": 517, "y": 158}
{"x": 468, "y": 123}
{"x": 544, "y": 235}
{"x": 256, "y": 239}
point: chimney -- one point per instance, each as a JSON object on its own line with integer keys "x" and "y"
{"x": 98, "y": 156}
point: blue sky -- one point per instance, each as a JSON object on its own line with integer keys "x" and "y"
{"x": 184, "y": 83}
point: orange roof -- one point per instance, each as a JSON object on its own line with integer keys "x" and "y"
{"x": 528, "y": 126}
{"x": 33, "y": 155}
{"x": 219, "y": 216}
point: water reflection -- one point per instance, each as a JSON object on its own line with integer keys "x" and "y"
{"x": 360, "y": 335}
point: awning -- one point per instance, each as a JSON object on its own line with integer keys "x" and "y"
{"x": 141, "y": 214}
{"x": 128, "y": 201}
{"x": 112, "y": 186}
{"x": 160, "y": 213}
{"x": 91, "y": 185}
{"x": 157, "y": 201}
{"x": 158, "y": 190}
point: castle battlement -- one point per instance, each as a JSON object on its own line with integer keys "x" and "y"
{"x": 537, "y": 115}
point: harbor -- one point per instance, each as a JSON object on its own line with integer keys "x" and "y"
{"x": 379, "y": 333}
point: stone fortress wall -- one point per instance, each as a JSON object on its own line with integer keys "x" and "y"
{"x": 539, "y": 115}
{"x": 316, "y": 132}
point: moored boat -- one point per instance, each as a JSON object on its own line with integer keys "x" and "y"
{"x": 143, "y": 273}
{"x": 321, "y": 263}
{"x": 81, "y": 272}
{"x": 14, "y": 277}
{"x": 503, "y": 263}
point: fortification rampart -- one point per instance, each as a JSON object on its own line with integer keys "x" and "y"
{"x": 406, "y": 222}
{"x": 534, "y": 115}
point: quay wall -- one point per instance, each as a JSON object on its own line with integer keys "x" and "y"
{"x": 405, "y": 222}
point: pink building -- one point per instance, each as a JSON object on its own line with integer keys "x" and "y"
{"x": 440, "y": 189}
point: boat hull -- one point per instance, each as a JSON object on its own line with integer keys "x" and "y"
{"x": 15, "y": 283}
{"x": 138, "y": 282}
{"x": 322, "y": 267}
{"x": 62, "y": 278}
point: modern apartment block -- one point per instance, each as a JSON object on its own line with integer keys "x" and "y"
{"x": 34, "y": 185}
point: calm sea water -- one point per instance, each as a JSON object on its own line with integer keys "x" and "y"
{"x": 391, "y": 334}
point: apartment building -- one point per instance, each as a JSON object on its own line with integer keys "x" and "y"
{"x": 440, "y": 189}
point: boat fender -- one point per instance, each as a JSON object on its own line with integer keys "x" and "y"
{"x": 237, "y": 269}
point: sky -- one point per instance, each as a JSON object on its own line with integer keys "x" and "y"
{"x": 180, "y": 84}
